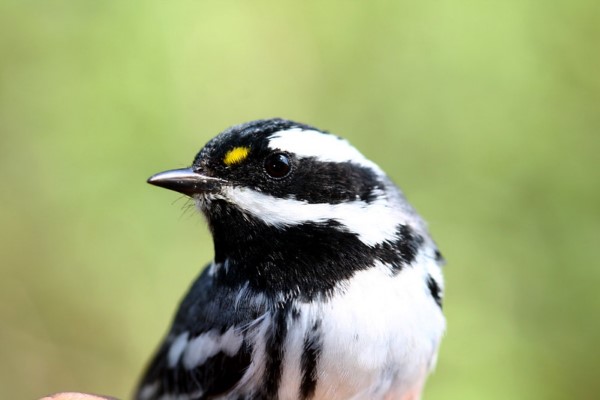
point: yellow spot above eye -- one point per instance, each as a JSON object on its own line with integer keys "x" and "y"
{"x": 236, "y": 155}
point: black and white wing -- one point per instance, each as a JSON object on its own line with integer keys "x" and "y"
{"x": 207, "y": 351}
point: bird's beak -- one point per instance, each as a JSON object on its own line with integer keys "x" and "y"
{"x": 186, "y": 181}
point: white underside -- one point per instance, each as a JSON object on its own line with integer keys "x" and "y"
{"x": 380, "y": 338}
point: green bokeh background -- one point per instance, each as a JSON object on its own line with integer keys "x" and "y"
{"x": 487, "y": 113}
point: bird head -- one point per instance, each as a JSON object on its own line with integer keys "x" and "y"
{"x": 289, "y": 204}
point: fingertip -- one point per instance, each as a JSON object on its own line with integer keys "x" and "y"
{"x": 76, "y": 396}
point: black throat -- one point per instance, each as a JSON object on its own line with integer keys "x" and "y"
{"x": 303, "y": 261}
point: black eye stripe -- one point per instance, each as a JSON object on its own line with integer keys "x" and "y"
{"x": 278, "y": 165}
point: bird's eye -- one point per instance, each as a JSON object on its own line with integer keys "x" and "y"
{"x": 278, "y": 165}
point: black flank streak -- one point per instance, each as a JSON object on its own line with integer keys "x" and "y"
{"x": 435, "y": 291}
{"x": 274, "y": 352}
{"x": 439, "y": 258}
{"x": 310, "y": 358}
{"x": 408, "y": 244}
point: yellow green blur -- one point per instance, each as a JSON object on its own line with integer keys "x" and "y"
{"x": 487, "y": 114}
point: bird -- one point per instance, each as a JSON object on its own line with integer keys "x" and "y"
{"x": 325, "y": 282}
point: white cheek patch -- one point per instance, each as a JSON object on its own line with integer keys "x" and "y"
{"x": 373, "y": 222}
{"x": 323, "y": 147}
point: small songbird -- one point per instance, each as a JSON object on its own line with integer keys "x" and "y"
{"x": 325, "y": 283}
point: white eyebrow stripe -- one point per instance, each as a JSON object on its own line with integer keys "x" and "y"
{"x": 324, "y": 147}
{"x": 372, "y": 222}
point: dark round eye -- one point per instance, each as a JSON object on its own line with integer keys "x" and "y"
{"x": 278, "y": 165}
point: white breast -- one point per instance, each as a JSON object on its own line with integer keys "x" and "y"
{"x": 380, "y": 336}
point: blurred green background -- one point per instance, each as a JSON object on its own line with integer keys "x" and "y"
{"x": 487, "y": 113}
